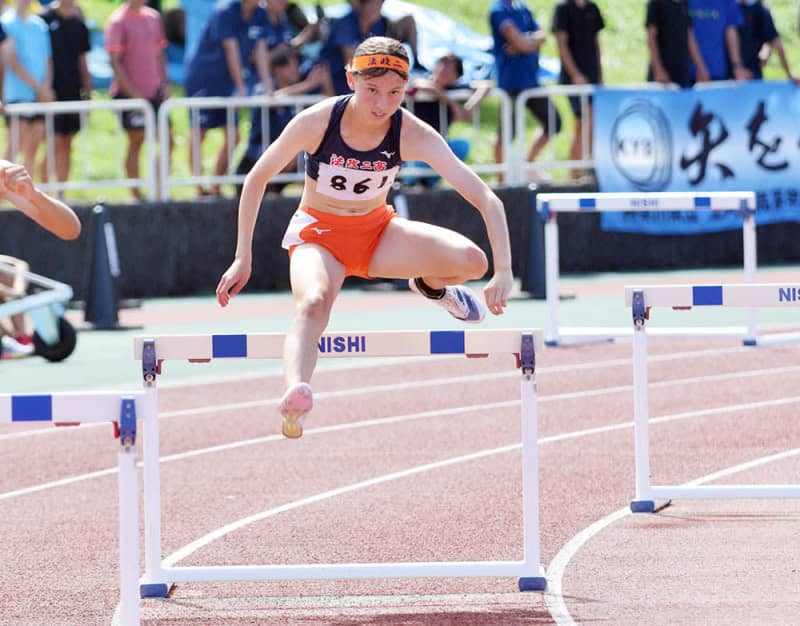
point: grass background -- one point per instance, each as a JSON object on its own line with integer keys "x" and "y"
{"x": 98, "y": 152}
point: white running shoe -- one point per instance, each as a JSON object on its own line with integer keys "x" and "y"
{"x": 458, "y": 301}
{"x": 13, "y": 349}
{"x": 295, "y": 404}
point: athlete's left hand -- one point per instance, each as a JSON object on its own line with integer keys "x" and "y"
{"x": 497, "y": 291}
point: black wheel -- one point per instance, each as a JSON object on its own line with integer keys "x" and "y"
{"x": 67, "y": 338}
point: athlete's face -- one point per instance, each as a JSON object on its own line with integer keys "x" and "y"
{"x": 378, "y": 96}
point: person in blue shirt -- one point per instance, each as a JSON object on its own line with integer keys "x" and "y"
{"x": 758, "y": 37}
{"x": 716, "y": 24}
{"x": 235, "y": 33}
{"x": 363, "y": 20}
{"x": 439, "y": 109}
{"x": 286, "y": 72}
{"x": 517, "y": 40}
{"x": 27, "y": 56}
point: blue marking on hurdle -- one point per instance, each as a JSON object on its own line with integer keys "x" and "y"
{"x": 544, "y": 210}
{"x": 228, "y": 346}
{"x": 587, "y": 203}
{"x": 533, "y": 583}
{"x": 32, "y": 408}
{"x": 447, "y": 342}
{"x": 643, "y": 506}
{"x": 153, "y": 590}
{"x": 707, "y": 295}
{"x": 702, "y": 202}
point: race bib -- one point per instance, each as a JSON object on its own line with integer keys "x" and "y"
{"x": 350, "y": 184}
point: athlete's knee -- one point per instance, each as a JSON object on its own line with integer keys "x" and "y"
{"x": 315, "y": 306}
{"x": 476, "y": 262}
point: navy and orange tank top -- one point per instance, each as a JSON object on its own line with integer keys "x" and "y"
{"x": 347, "y": 174}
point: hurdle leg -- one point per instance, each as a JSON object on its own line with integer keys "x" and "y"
{"x": 128, "y": 537}
{"x": 530, "y": 473}
{"x": 154, "y": 583}
{"x": 749, "y": 251}
{"x": 643, "y": 502}
{"x": 551, "y": 263}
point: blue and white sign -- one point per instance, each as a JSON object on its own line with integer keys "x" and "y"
{"x": 719, "y": 138}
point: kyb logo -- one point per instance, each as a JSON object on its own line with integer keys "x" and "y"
{"x": 641, "y": 146}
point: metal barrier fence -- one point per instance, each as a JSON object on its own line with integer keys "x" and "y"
{"x": 86, "y": 178}
{"x": 158, "y": 178}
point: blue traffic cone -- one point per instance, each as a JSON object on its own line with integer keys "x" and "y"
{"x": 101, "y": 294}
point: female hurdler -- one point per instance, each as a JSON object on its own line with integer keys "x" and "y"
{"x": 354, "y": 146}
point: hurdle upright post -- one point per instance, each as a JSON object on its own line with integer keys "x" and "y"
{"x": 128, "y": 516}
{"x": 551, "y": 265}
{"x": 750, "y": 259}
{"x": 530, "y": 468}
{"x": 153, "y": 583}
{"x": 643, "y": 503}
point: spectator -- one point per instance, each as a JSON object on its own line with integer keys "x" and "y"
{"x": 69, "y": 39}
{"x": 303, "y": 31}
{"x": 279, "y": 31}
{"x": 135, "y": 41}
{"x": 26, "y": 54}
{"x": 716, "y": 24}
{"x": 195, "y": 14}
{"x": 288, "y": 81}
{"x": 758, "y": 37}
{"x": 17, "y": 188}
{"x": 517, "y": 39}
{"x": 363, "y": 20}
{"x": 672, "y": 45}
{"x": 236, "y": 32}
{"x": 439, "y": 109}
{"x": 575, "y": 25}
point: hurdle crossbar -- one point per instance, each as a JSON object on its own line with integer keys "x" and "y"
{"x": 122, "y": 409}
{"x": 550, "y": 204}
{"x": 642, "y": 300}
{"x": 159, "y": 576}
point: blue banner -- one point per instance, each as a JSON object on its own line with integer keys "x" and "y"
{"x": 718, "y": 138}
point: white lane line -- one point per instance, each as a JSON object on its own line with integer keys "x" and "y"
{"x": 188, "y": 549}
{"x": 554, "y": 596}
{"x": 435, "y": 382}
{"x": 329, "y": 365}
{"x": 748, "y": 406}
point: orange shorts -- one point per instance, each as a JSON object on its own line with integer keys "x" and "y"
{"x": 352, "y": 240}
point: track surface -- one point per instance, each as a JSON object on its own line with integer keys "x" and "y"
{"x": 402, "y": 437}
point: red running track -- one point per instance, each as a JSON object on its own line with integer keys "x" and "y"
{"x": 697, "y": 562}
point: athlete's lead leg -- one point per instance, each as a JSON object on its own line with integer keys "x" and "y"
{"x": 316, "y": 278}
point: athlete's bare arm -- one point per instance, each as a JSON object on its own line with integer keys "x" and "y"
{"x": 303, "y": 133}
{"x": 421, "y": 142}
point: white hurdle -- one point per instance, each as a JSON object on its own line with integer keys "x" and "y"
{"x": 158, "y": 577}
{"x": 72, "y": 409}
{"x": 551, "y": 204}
{"x": 642, "y": 300}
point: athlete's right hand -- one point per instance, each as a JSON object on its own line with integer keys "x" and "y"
{"x": 233, "y": 281}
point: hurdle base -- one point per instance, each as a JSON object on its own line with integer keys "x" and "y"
{"x": 775, "y": 339}
{"x": 649, "y": 506}
{"x": 534, "y": 583}
{"x": 154, "y": 590}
